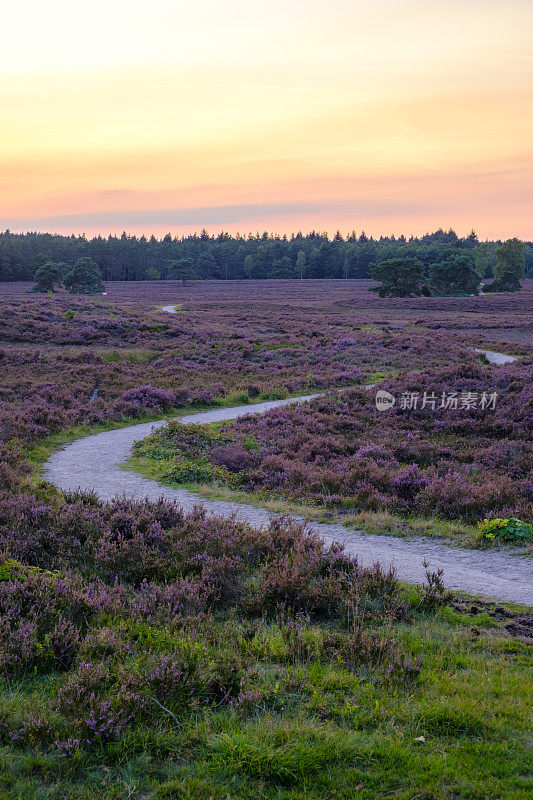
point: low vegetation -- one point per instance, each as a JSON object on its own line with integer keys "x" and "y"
{"x": 459, "y": 459}
{"x": 149, "y": 653}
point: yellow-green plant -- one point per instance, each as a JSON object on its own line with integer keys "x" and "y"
{"x": 505, "y": 530}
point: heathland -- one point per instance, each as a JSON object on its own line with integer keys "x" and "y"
{"x": 149, "y": 653}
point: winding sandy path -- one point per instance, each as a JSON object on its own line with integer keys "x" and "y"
{"x": 94, "y": 463}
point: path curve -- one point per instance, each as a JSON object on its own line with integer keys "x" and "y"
{"x": 495, "y": 358}
{"x": 93, "y": 463}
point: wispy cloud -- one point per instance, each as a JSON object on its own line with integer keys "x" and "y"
{"x": 207, "y": 216}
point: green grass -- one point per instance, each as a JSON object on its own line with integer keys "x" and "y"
{"x": 319, "y": 730}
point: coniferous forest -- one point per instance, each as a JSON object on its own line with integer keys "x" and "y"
{"x": 228, "y": 257}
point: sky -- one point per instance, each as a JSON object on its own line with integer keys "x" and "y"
{"x": 390, "y": 116}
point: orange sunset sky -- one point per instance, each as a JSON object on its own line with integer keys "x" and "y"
{"x": 389, "y": 116}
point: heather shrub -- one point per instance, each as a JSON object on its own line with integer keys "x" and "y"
{"x": 148, "y": 398}
{"x": 402, "y": 669}
{"x": 142, "y": 645}
{"x": 41, "y": 619}
{"x": 100, "y": 699}
{"x": 94, "y": 712}
{"x": 341, "y": 452}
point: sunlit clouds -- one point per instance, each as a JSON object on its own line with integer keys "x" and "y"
{"x": 387, "y": 116}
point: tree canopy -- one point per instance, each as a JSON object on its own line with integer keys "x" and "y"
{"x": 84, "y": 278}
{"x": 400, "y": 277}
{"x": 454, "y": 273}
{"x": 183, "y": 269}
{"x": 48, "y": 275}
{"x": 226, "y": 257}
{"x": 509, "y": 268}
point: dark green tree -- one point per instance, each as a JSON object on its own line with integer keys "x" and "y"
{"x": 183, "y": 269}
{"x": 47, "y": 276}
{"x": 400, "y": 277}
{"x": 282, "y": 268}
{"x": 84, "y": 278}
{"x": 454, "y": 274}
{"x": 206, "y": 264}
{"x": 509, "y": 267}
{"x": 39, "y": 260}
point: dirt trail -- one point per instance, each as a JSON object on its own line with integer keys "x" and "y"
{"x": 95, "y": 463}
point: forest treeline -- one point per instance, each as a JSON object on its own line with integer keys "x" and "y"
{"x": 227, "y": 257}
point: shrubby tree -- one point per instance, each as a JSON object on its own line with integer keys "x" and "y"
{"x": 471, "y": 240}
{"x": 84, "y": 278}
{"x": 400, "y": 277}
{"x": 47, "y": 276}
{"x": 509, "y": 268}
{"x": 454, "y": 274}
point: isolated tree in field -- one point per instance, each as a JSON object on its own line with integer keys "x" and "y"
{"x": 84, "y": 278}
{"x": 47, "y": 276}
{"x": 509, "y": 268}
{"x": 454, "y": 274}
{"x": 400, "y": 277}
{"x": 183, "y": 269}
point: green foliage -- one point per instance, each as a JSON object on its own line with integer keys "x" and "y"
{"x": 511, "y": 530}
{"x": 262, "y": 255}
{"x": 454, "y": 274}
{"x": 509, "y": 268}
{"x": 84, "y": 278}
{"x": 282, "y": 268}
{"x": 188, "y": 471}
{"x": 153, "y": 274}
{"x": 183, "y": 269}
{"x": 400, "y": 277}
{"x": 47, "y": 276}
{"x": 300, "y": 263}
{"x": 485, "y": 259}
